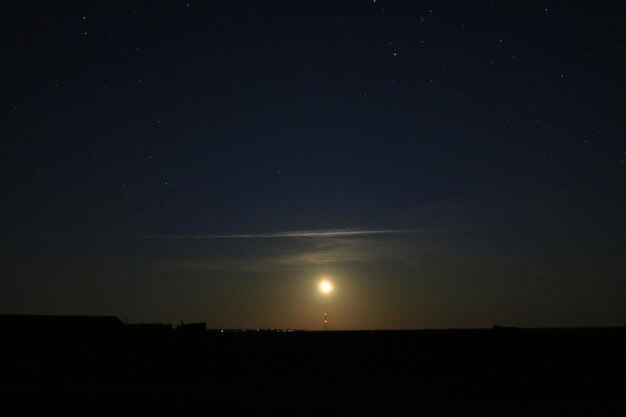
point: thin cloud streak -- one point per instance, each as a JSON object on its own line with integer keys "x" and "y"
{"x": 330, "y": 233}
{"x": 311, "y": 233}
{"x": 313, "y": 253}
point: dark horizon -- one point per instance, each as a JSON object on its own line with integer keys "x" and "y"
{"x": 441, "y": 164}
{"x": 46, "y": 328}
{"x": 79, "y": 364}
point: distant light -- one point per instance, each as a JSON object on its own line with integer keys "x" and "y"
{"x": 326, "y": 286}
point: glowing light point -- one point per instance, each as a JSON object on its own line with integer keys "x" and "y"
{"x": 326, "y": 287}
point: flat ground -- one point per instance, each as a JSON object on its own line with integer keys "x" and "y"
{"x": 429, "y": 372}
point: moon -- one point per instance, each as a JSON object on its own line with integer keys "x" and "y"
{"x": 326, "y": 286}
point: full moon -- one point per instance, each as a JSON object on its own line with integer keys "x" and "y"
{"x": 326, "y": 286}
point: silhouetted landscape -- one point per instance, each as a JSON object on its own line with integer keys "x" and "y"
{"x": 84, "y": 361}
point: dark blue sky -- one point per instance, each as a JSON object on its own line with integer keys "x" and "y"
{"x": 486, "y": 140}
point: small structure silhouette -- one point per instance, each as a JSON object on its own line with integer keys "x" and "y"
{"x": 192, "y": 329}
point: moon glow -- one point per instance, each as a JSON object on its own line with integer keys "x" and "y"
{"x": 326, "y": 286}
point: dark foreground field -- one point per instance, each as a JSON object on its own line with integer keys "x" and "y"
{"x": 447, "y": 372}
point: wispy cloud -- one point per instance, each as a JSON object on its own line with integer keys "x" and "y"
{"x": 324, "y": 233}
{"x": 306, "y": 249}
{"x": 314, "y": 253}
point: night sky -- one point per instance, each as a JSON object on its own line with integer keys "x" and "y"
{"x": 443, "y": 163}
